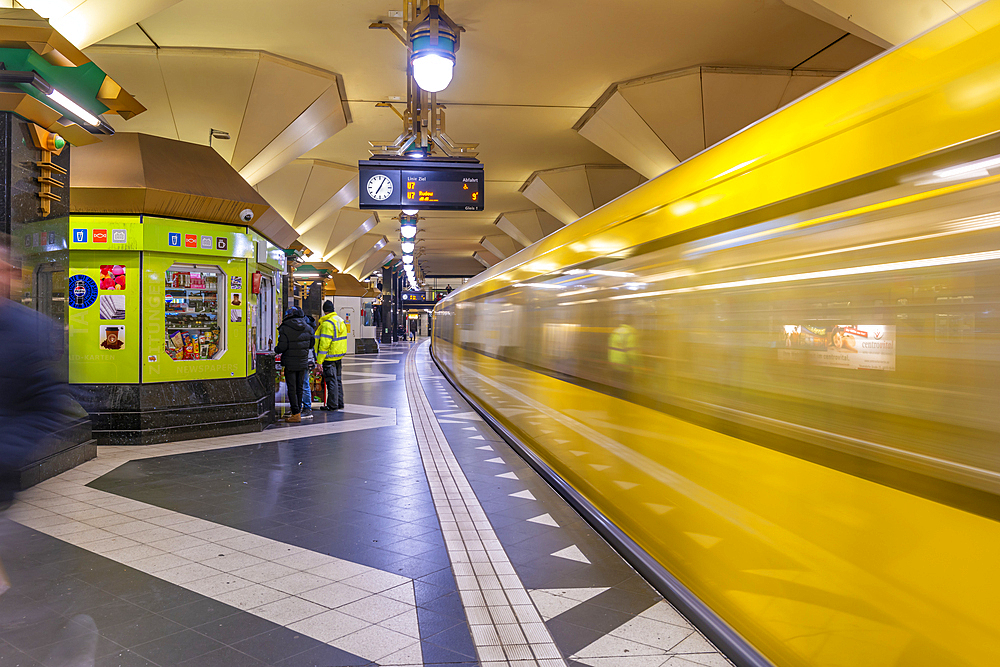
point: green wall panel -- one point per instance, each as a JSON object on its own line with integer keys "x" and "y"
{"x": 88, "y": 361}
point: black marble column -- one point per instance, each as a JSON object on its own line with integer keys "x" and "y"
{"x": 386, "y": 323}
{"x": 39, "y": 248}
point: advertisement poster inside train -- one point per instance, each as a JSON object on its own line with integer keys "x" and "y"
{"x": 868, "y": 346}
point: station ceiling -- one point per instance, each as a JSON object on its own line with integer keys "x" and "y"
{"x": 527, "y": 72}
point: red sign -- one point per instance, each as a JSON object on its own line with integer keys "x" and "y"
{"x": 190, "y": 240}
{"x": 255, "y": 282}
{"x": 100, "y": 236}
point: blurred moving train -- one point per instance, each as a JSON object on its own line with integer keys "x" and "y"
{"x": 776, "y": 367}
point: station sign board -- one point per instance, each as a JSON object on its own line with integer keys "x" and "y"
{"x": 425, "y": 185}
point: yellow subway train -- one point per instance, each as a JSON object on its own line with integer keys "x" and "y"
{"x": 775, "y": 368}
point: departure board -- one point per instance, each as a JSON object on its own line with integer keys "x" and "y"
{"x": 421, "y": 184}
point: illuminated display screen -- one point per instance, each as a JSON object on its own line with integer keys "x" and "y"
{"x": 422, "y": 185}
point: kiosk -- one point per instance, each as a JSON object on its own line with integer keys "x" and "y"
{"x": 171, "y": 278}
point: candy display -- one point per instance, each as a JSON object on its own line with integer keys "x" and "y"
{"x": 112, "y": 277}
{"x": 193, "y": 331}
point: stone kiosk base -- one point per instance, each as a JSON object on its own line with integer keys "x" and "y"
{"x": 66, "y": 449}
{"x": 146, "y": 414}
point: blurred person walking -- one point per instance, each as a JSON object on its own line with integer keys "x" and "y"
{"x": 331, "y": 346}
{"x": 32, "y": 399}
{"x": 295, "y": 339}
{"x": 32, "y": 403}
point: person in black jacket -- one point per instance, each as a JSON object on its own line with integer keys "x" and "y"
{"x": 295, "y": 339}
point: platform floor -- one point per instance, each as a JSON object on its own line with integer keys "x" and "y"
{"x": 402, "y": 531}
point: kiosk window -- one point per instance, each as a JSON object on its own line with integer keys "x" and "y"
{"x": 195, "y": 329}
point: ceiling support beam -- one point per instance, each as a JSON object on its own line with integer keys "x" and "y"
{"x": 501, "y": 246}
{"x": 487, "y": 259}
{"x": 374, "y": 262}
{"x": 569, "y": 193}
{"x": 653, "y": 123}
{"x": 88, "y": 22}
{"x": 527, "y": 227}
{"x": 886, "y": 22}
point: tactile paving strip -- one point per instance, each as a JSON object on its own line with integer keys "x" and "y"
{"x": 506, "y": 627}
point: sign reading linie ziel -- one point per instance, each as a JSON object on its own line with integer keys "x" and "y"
{"x": 424, "y": 185}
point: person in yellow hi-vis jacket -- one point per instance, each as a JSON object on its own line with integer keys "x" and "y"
{"x": 331, "y": 346}
{"x": 623, "y": 355}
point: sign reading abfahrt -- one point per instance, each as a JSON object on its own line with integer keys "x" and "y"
{"x": 425, "y": 185}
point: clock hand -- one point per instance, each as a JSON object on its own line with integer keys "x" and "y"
{"x": 379, "y": 191}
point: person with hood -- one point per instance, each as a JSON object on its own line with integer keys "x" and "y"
{"x": 295, "y": 339}
{"x": 331, "y": 346}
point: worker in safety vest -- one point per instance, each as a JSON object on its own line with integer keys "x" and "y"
{"x": 331, "y": 346}
{"x": 623, "y": 354}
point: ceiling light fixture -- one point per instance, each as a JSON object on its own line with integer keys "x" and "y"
{"x": 410, "y": 211}
{"x": 43, "y": 87}
{"x": 407, "y": 259}
{"x": 221, "y": 135}
{"x": 408, "y": 231}
{"x": 433, "y": 42}
{"x": 407, "y": 246}
{"x": 73, "y": 108}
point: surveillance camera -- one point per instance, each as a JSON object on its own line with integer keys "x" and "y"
{"x": 246, "y": 215}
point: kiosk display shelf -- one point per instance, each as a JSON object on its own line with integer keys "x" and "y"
{"x": 193, "y": 325}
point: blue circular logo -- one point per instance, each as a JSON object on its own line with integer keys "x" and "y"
{"x": 82, "y": 291}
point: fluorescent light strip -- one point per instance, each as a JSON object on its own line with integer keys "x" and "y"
{"x": 960, "y": 226}
{"x": 573, "y": 303}
{"x": 598, "y": 272}
{"x": 73, "y": 108}
{"x": 968, "y": 167}
{"x": 834, "y": 273}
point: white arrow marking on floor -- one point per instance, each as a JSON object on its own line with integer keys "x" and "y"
{"x": 496, "y": 460}
{"x": 469, "y": 428}
{"x": 485, "y": 448}
{"x": 526, "y": 495}
{"x": 468, "y": 415}
{"x": 369, "y": 377}
{"x": 545, "y": 520}
{"x": 554, "y": 601}
{"x": 476, "y": 437}
{"x": 632, "y": 638}
{"x": 572, "y": 552}
{"x": 508, "y": 475}
{"x": 445, "y": 421}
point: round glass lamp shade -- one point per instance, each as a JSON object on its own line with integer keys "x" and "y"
{"x": 407, "y": 259}
{"x": 433, "y": 71}
{"x": 407, "y": 246}
{"x": 408, "y": 231}
{"x": 410, "y": 211}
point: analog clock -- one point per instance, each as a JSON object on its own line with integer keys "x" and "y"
{"x": 379, "y": 187}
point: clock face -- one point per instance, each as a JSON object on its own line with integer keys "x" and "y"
{"x": 379, "y": 187}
